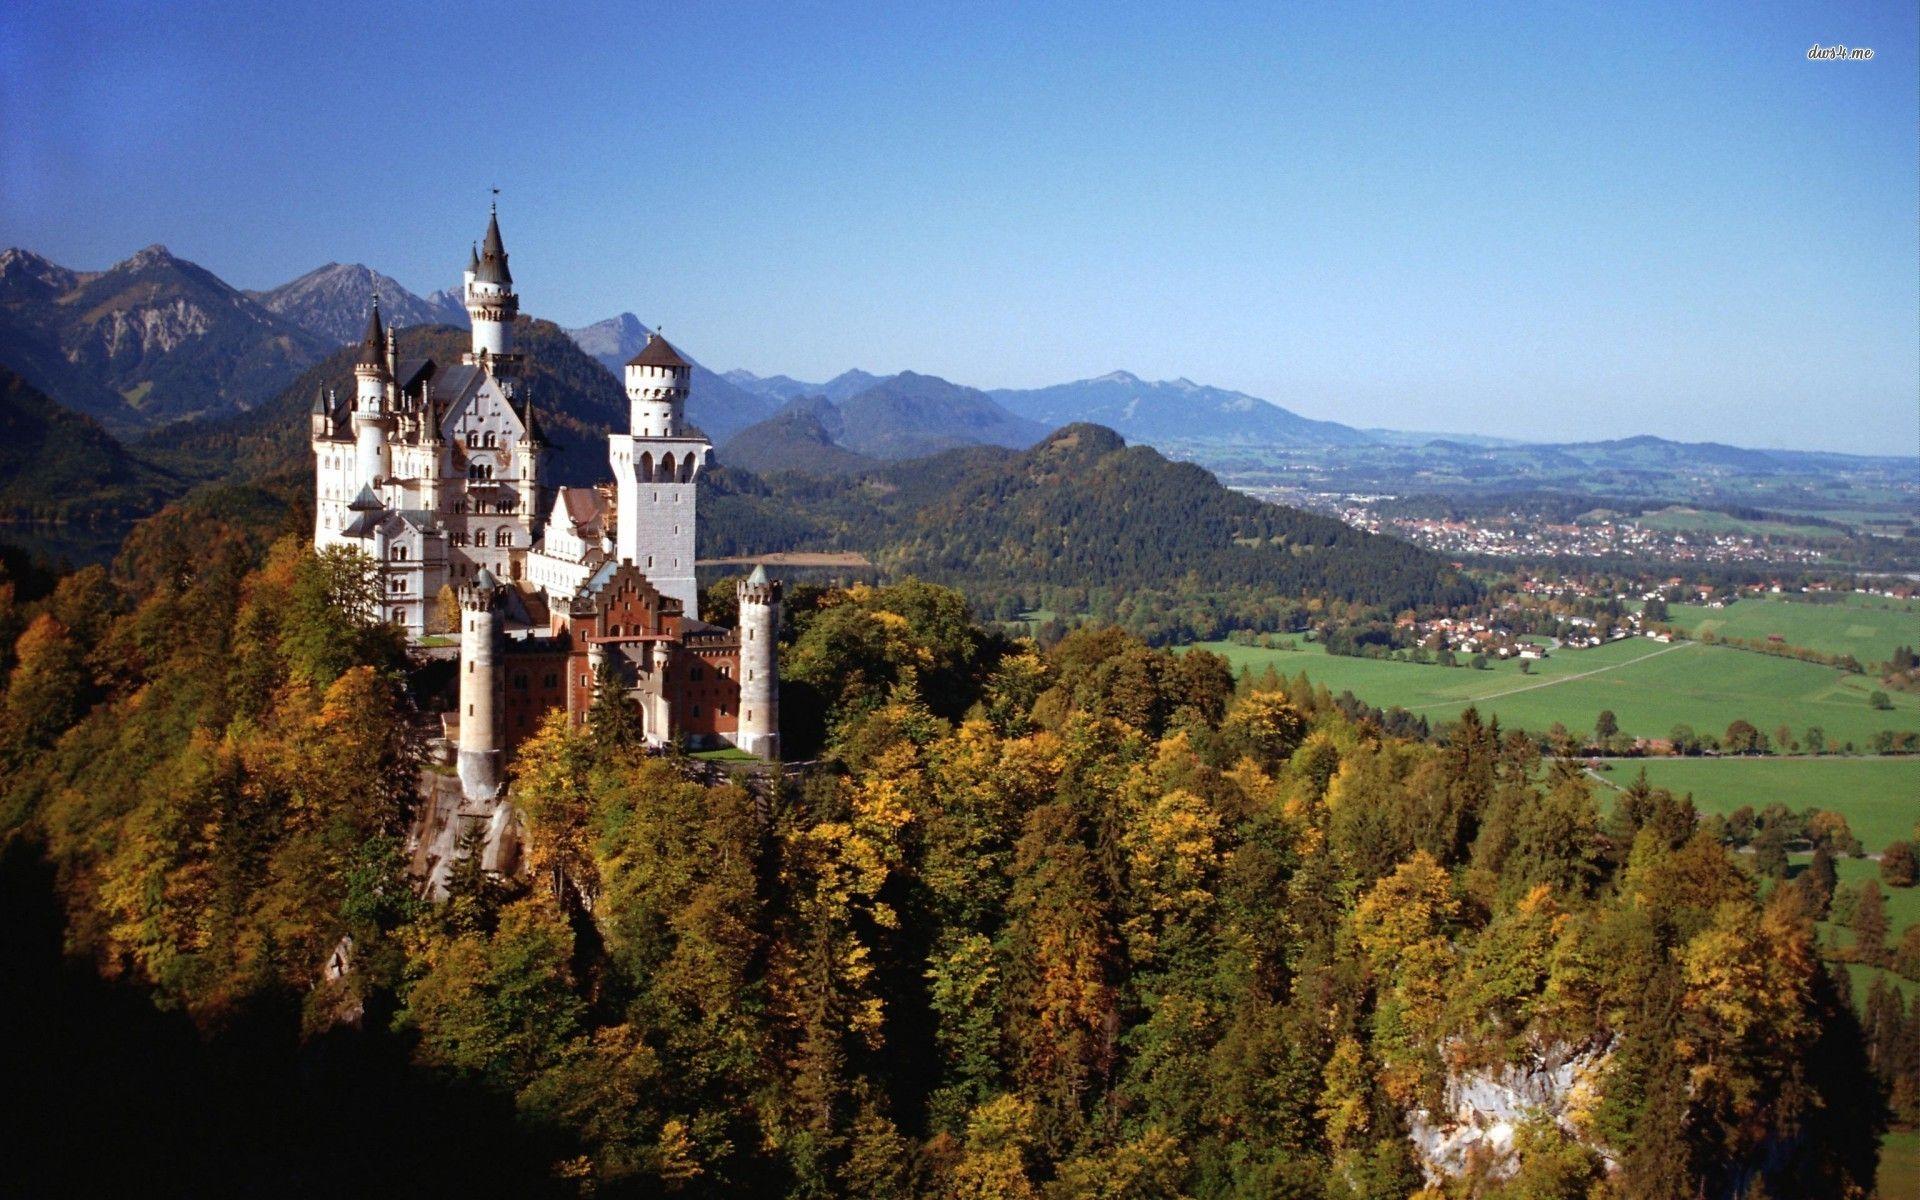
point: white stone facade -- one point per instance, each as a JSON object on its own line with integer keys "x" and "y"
{"x": 434, "y": 473}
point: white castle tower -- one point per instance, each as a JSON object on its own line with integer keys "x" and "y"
{"x": 655, "y": 465}
{"x": 372, "y": 423}
{"x": 491, "y": 302}
{"x": 759, "y": 729}
{"x": 480, "y": 630}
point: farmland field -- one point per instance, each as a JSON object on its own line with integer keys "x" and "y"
{"x": 1650, "y": 688}
{"x": 1680, "y": 519}
{"x": 1869, "y": 633}
{"x": 1880, "y": 797}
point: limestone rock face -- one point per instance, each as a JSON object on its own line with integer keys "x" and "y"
{"x": 1485, "y": 1107}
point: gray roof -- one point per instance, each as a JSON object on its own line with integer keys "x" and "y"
{"x": 454, "y": 382}
{"x": 373, "y": 346}
{"x": 485, "y": 581}
{"x": 319, "y": 401}
{"x": 413, "y": 370}
{"x": 366, "y": 501}
{"x": 759, "y": 573}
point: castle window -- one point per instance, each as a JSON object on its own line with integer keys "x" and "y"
{"x": 505, "y": 537}
{"x": 489, "y": 439}
{"x": 473, "y": 439}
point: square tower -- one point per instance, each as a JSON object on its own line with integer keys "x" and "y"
{"x": 655, "y": 467}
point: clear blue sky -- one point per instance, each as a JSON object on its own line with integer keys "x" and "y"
{"x": 1529, "y": 220}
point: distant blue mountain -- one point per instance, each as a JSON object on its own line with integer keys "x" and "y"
{"x": 1175, "y": 410}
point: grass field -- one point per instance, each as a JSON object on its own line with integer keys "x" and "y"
{"x": 1679, "y": 519}
{"x": 1899, "y": 1166}
{"x": 1869, "y": 633}
{"x": 1880, "y": 797}
{"x": 1650, "y": 688}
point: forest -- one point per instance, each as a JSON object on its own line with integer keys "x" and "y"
{"x": 1084, "y": 922}
{"x": 1084, "y": 523}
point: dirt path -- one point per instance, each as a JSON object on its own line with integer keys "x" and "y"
{"x": 1545, "y": 683}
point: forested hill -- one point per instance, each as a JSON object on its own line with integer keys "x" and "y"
{"x": 56, "y": 464}
{"x": 576, "y": 403}
{"x": 1083, "y": 522}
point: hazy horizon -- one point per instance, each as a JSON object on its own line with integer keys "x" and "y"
{"x": 1545, "y": 226}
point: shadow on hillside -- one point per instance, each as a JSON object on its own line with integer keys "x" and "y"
{"x": 113, "y": 1097}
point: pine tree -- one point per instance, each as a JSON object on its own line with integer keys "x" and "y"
{"x": 1869, "y": 923}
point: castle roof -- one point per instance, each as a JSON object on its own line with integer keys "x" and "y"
{"x": 485, "y": 581}
{"x": 585, "y": 506}
{"x": 759, "y": 573}
{"x": 366, "y": 501}
{"x": 373, "y": 346}
{"x": 319, "y": 401}
{"x": 657, "y": 353}
{"x": 492, "y": 267}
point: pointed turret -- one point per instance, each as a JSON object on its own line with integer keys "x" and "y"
{"x": 366, "y": 501}
{"x": 491, "y": 304}
{"x": 373, "y": 346}
{"x": 473, "y": 257}
{"x": 534, "y": 436}
{"x": 492, "y": 267}
{"x": 319, "y": 401}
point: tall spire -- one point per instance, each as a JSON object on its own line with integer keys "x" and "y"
{"x": 373, "y": 346}
{"x": 492, "y": 267}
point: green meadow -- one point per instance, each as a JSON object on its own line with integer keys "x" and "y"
{"x": 1868, "y": 631}
{"x": 1880, "y": 797}
{"x": 1649, "y": 686}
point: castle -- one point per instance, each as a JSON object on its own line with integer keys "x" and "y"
{"x": 435, "y": 474}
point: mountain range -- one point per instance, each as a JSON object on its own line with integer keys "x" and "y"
{"x": 149, "y": 340}
{"x": 331, "y": 302}
{"x": 187, "y": 377}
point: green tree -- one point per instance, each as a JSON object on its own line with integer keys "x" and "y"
{"x": 613, "y": 718}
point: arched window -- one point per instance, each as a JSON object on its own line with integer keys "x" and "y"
{"x": 479, "y": 537}
{"x": 504, "y": 538}
{"x": 666, "y": 467}
{"x": 686, "y": 468}
{"x": 490, "y": 438}
{"x": 399, "y": 553}
{"x": 473, "y": 439}
{"x": 646, "y": 468}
